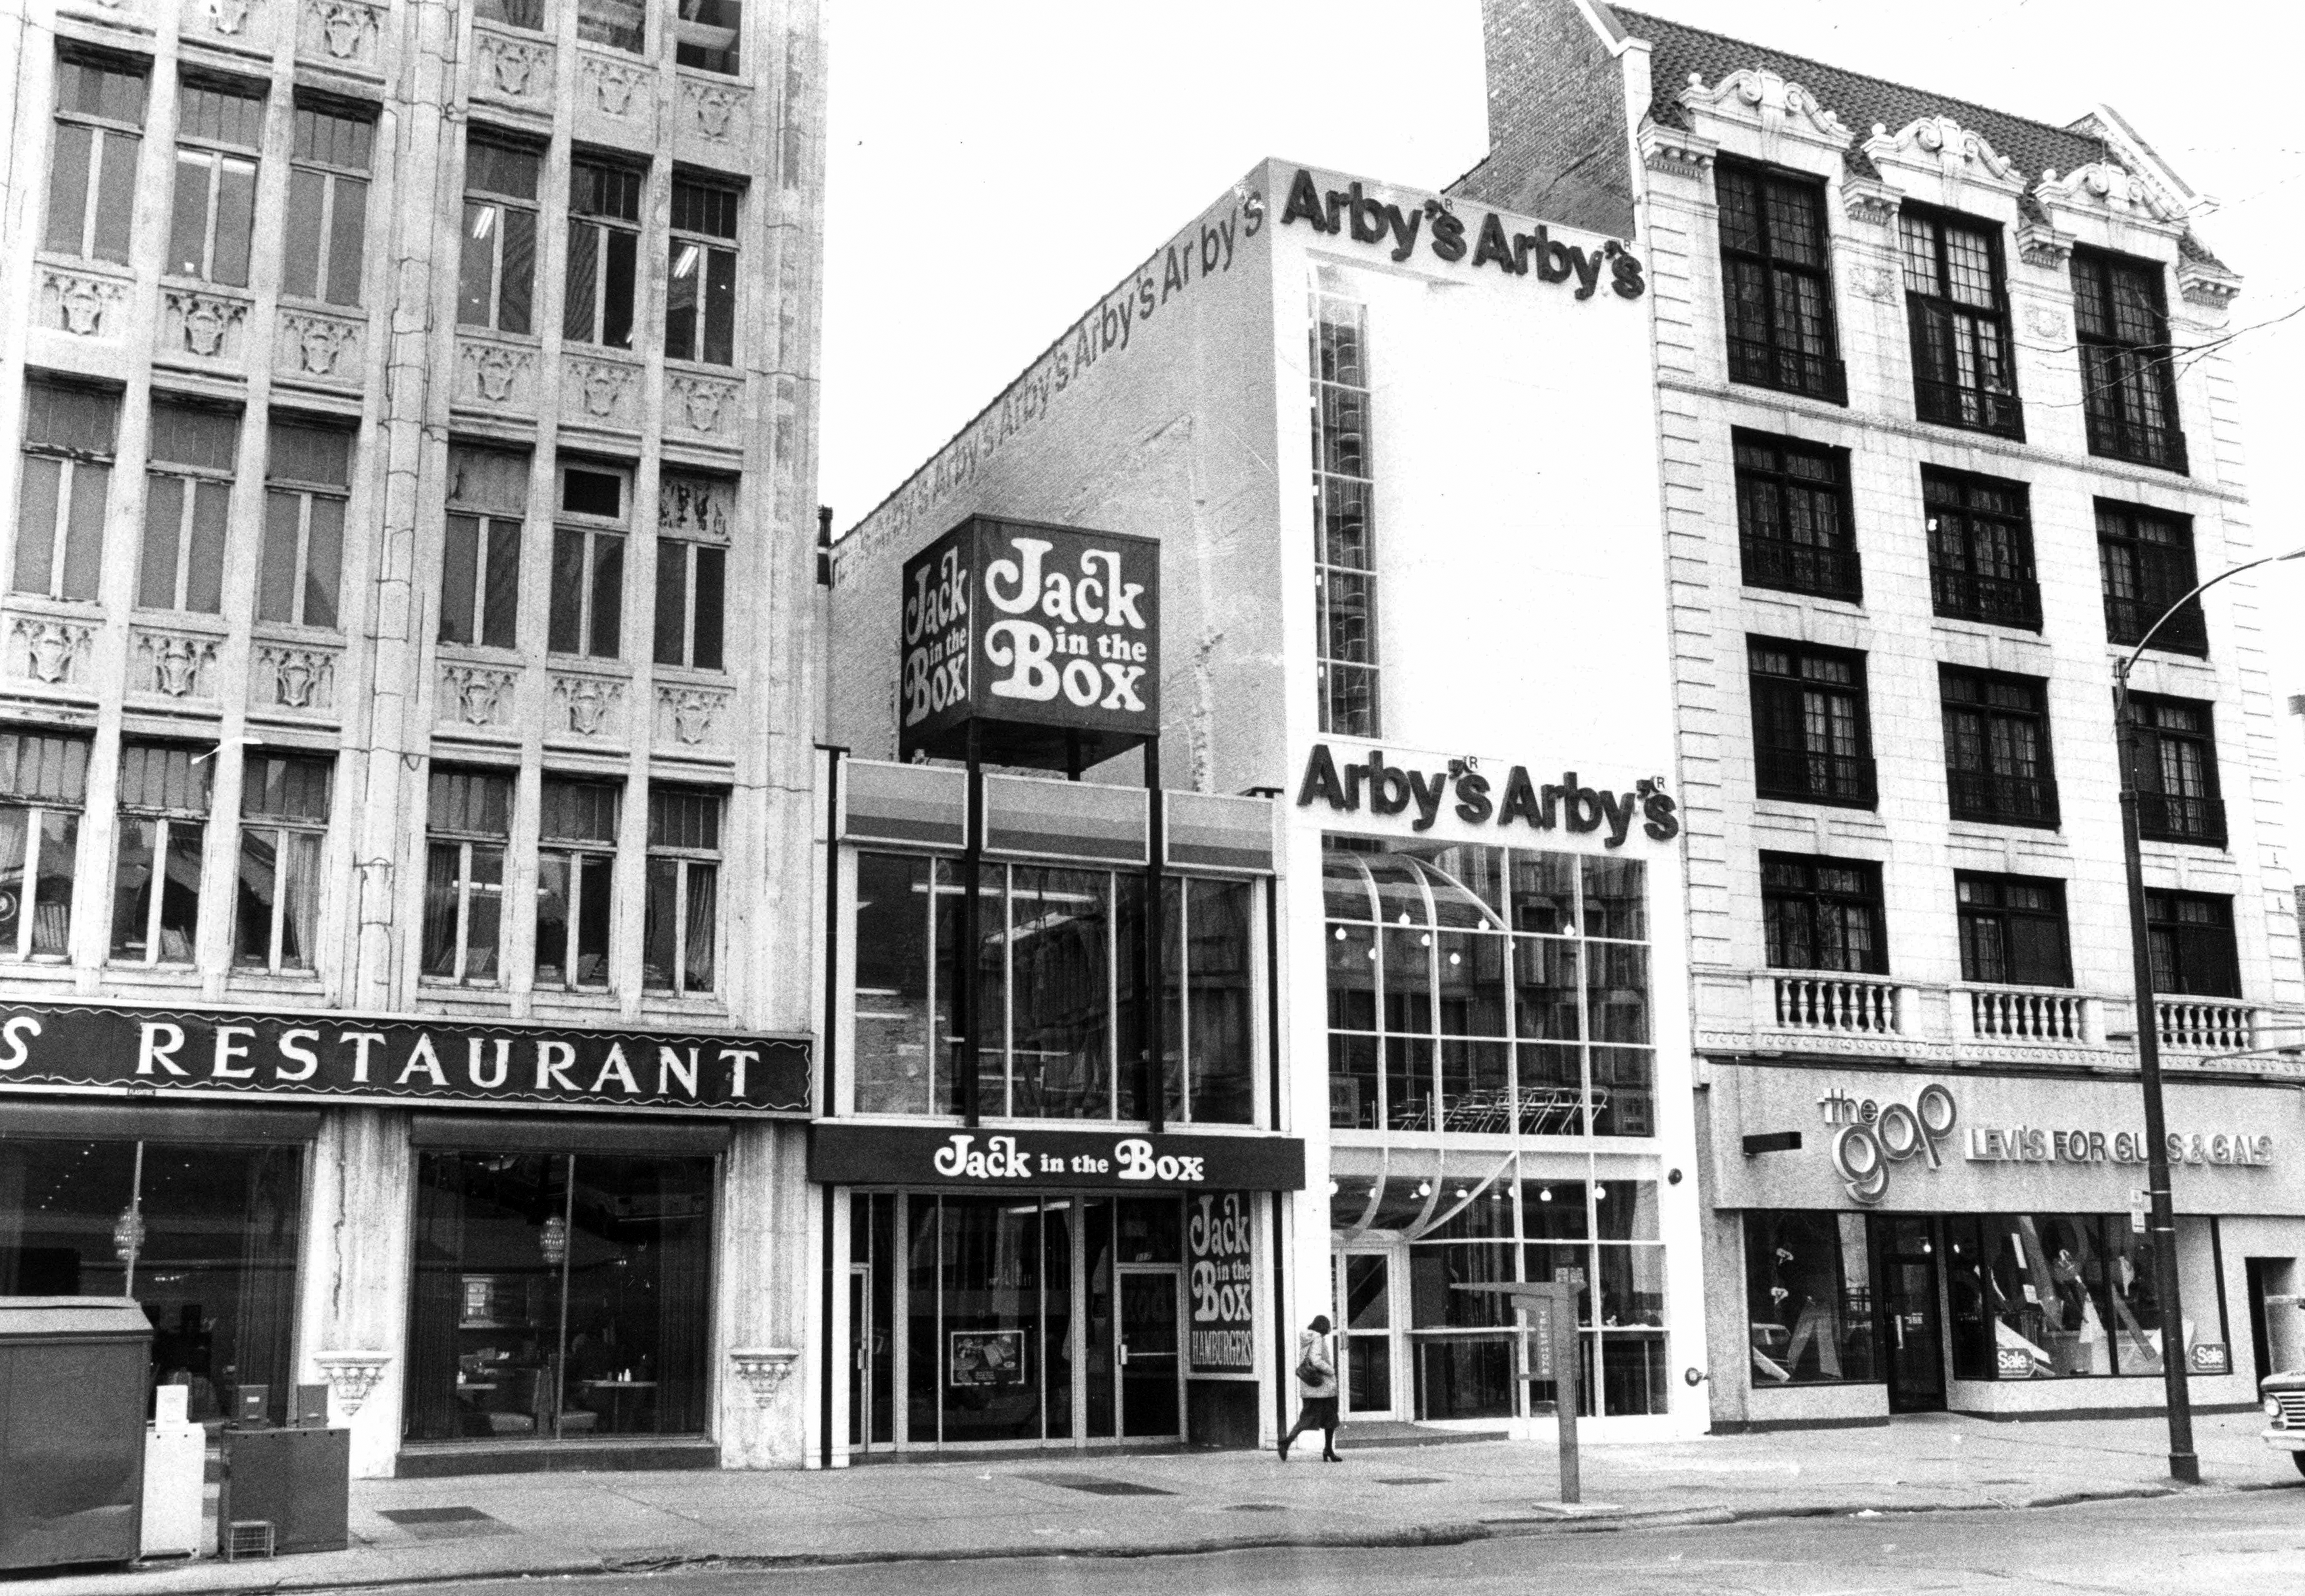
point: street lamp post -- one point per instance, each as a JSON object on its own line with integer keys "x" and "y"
{"x": 2184, "y": 1465}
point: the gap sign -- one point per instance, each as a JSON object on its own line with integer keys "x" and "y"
{"x": 1046, "y": 637}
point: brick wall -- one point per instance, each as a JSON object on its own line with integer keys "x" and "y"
{"x": 1557, "y": 128}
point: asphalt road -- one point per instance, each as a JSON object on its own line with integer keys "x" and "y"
{"x": 2226, "y": 1544}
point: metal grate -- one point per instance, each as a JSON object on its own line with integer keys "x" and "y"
{"x": 1096, "y": 1485}
{"x": 248, "y": 1538}
{"x": 2292, "y": 1408}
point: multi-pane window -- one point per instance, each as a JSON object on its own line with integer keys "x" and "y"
{"x": 468, "y": 826}
{"x": 2147, "y": 558}
{"x": 92, "y": 167}
{"x": 219, "y": 131}
{"x": 2177, "y": 794}
{"x": 326, "y": 224}
{"x": 620, "y": 24}
{"x": 526, "y": 14}
{"x": 700, "y": 305}
{"x": 681, "y": 931}
{"x": 706, "y": 34}
{"x": 1057, "y": 968}
{"x": 1811, "y": 739}
{"x": 1344, "y": 529}
{"x": 1473, "y": 989}
{"x": 576, "y": 876}
{"x": 68, "y": 437}
{"x": 1819, "y": 913}
{"x": 1958, "y": 299}
{"x": 1794, "y": 520}
{"x": 1981, "y": 550}
{"x": 1809, "y": 1294}
{"x": 588, "y": 563}
{"x": 496, "y": 286}
{"x": 307, "y": 476}
{"x": 479, "y": 566}
{"x": 2128, "y": 389}
{"x": 604, "y": 246}
{"x": 43, "y": 787}
{"x": 692, "y": 567}
{"x": 1997, "y": 732}
{"x": 156, "y": 883}
{"x": 284, "y": 827}
{"x": 2013, "y": 930}
{"x": 2190, "y": 937}
{"x": 187, "y": 507}
{"x": 1776, "y": 282}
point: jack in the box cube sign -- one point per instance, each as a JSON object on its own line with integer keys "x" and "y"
{"x": 1047, "y": 638}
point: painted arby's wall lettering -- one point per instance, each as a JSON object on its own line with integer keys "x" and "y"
{"x": 1384, "y": 789}
{"x": 1353, "y": 212}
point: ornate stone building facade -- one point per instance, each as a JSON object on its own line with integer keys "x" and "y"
{"x": 410, "y": 415}
{"x": 1944, "y": 426}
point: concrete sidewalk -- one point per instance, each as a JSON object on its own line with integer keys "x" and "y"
{"x": 1076, "y": 1504}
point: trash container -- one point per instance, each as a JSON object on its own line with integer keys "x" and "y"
{"x": 176, "y": 1467}
{"x": 74, "y": 1372}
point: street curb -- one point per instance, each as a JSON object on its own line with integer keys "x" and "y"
{"x": 1399, "y": 1538}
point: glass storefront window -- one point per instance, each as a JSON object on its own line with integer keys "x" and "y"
{"x": 559, "y": 1296}
{"x": 1809, "y": 1289}
{"x": 1480, "y": 990}
{"x": 2049, "y": 1296}
{"x": 203, "y": 1236}
{"x": 1056, "y": 968}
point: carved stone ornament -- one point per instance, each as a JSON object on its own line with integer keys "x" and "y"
{"x": 207, "y": 324}
{"x": 613, "y": 82}
{"x": 1875, "y": 282}
{"x": 2212, "y": 287}
{"x": 521, "y": 69}
{"x": 689, "y": 715}
{"x": 1941, "y": 144}
{"x": 763, "y": 1370}
{"x": 692, "y": 505}
{"x": 52, "y": 651}
{"x": 227, "y": 17}
{"x": 2040, "y": 244}
{"x": 294, "y": 678}
{"x": 2045, "y": 324}
{"x": 351, "y": 1375}
{"x": 1758, "y": 96}
{"x": 498, "y": 371}
{"x": 475, "y": 695}
{"x": 80, "y": 301}
{"x": 174, "y": 663}
{"x": 712, "y": 107}
{"x": 603, "y": 388}
{"x": 2103, "y": 186}
{"x": 1675, "y": 150}
{"x": 1869, "y": 201}
{"x": 346, "y": 28}
{"x": 313, "y": 345}
{"x": 699, "y": 404}
{"x": 587, "y": 703}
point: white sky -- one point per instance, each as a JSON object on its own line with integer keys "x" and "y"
{"x": 995, "y": 166}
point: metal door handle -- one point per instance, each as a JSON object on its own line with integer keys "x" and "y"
{"x": 1899, "y": 1321}
{"x": 1123, "y": 1354}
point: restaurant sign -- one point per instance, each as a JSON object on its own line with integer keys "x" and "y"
{"x": 849, "y": 1153}
{"x": 151, "y": 1053}
{"x": 1047, "y": 638}
{"x": 1496, "y": 797}
{"x": 1221, "y": 1248}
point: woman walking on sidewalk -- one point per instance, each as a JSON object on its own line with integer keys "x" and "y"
{"x": 1317, "y": 1373}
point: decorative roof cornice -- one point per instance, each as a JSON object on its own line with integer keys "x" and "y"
{"x": 2211, "y": 286}
{"x": 1675, "y": 150}
{"x": 1760, "y": 97}
{"x": 1869, "y": 201}
{"x": 2106, "y": 188}
{"x": 1940, "y": 144}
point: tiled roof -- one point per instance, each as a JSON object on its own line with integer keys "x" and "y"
{"x": 1859, "y": 101}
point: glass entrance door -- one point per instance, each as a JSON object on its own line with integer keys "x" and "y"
{"x": 1911, "y": 1314}
{"x": 1152, "y": 1389}
{"x": 860, "y": 1352}
{"x": 1364, "y": 1302}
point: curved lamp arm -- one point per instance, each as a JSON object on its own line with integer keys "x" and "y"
{"x": 2121, "y": 672}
